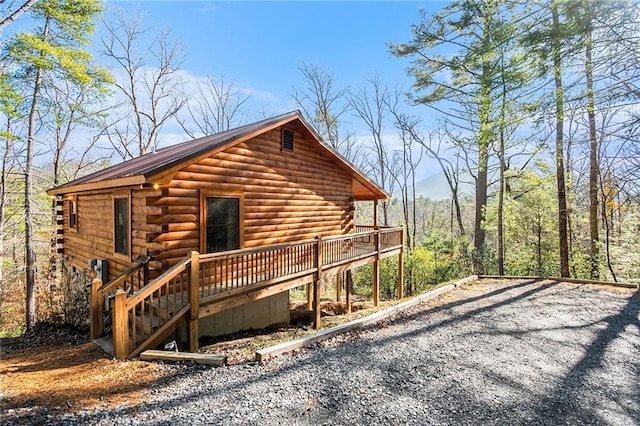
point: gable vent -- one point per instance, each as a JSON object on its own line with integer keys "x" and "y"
{"x": 287, "y": 140}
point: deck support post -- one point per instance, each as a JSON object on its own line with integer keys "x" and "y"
{"x": 309, "y": 291}
{"x": 401, "y": 268}
{"x": 375, "y": 214}
{"x": 96, "y": 308}
{"x": 338, "y": 286}
{"x": 349, "y": 290}
{"x": 316, "y": 284}
{"x": 194, "y": 300}
{"x": 120, "y": 325}
{"x": 376, "y": 269}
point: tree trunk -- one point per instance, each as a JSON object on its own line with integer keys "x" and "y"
{"x": 484, "y": 137}
{"x": 3, "y": 199}
{"x": 456, "y": 202}
{"x": 560, "y": 174}
{"x": 501, "y": 154}
{"x": 30, "y": 261}
{"x": 413, "y": 196}
{"x": 30, "y": 273}
{"x": 607, "y": 230}
{"x": 539, "y": 245}
{"x": 593, "y": 160}
{"x": 500, "y": 208}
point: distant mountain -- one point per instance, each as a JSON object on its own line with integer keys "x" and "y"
{"x": 436, "y": 187}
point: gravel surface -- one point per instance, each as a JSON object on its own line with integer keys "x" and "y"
{"x": 541, "y": 353}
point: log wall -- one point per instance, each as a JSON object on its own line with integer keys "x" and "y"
{"x": 287, "y": 196}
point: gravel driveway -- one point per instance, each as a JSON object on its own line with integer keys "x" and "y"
{"x": 516, "y": 352}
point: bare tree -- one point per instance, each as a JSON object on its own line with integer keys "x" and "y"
{"x": 370, "y": 104}
{"x": 437, "y": 146}
{"x": 215, "y": 107}
{"x": 146, "y": 80}
{"x": 405, "y": 163}
{"x": 12, "y": 10}
{"x": 323, "y": 104}
{"x": 68, "y": 106}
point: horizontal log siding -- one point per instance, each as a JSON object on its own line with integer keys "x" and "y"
{"x": 287, "y": 196}
{"x": 94, "y": 236}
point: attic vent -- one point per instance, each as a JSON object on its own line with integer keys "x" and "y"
{"x": 287, "y": 140}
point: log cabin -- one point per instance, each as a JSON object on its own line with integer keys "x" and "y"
{"x": 208, "y": 236}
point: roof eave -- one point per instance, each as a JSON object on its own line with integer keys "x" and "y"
{"x": 103, "y": 184}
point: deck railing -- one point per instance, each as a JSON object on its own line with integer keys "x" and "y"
{"x": 144, "y": 318}
{"x": 231, "y": 270}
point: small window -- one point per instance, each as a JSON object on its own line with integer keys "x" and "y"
{"x": 287, "y": 140}
{"x": 73, "y": 213}
{"x": 121, "y": 225}
{"x": 223, "y": 224}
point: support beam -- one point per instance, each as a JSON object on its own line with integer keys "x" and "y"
{"x": 401, "y": 268}
{"x": 349, "y": 290}
{"x": 309, "y": 291}
{"x": 194, "y": 285}
{"x": 120, "y": 325}
{"x": 96, "y": 307}
{"x": 316, "y": 284}
{"x": 376, "y": 270}
{"x": 338, "y": 287}
{"x": 400, "y": 276}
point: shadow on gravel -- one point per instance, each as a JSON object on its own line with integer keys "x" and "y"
{"x": 467, "y": 315}
{"x": 570, "y": 410}
{"x": 332, "y": 397}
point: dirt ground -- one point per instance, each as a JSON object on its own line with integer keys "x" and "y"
{"x": 59, "y": 368}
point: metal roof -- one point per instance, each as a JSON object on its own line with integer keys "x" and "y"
{"x": 164, "y": 159}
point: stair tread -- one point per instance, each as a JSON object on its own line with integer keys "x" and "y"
{"x": 105, "y": 343}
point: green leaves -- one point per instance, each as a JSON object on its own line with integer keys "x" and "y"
{"x": 57, "y": 44}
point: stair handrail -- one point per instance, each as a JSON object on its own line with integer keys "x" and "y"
{"x": 140, "y": 262}
{"x": 124, "y": 347}
{"x": 99, "y": 290}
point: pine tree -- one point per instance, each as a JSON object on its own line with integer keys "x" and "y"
{"x": 55, "y": 47}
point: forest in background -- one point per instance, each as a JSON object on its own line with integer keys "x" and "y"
{"x": 537, "y": 106}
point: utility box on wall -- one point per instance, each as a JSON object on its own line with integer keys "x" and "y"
{"x": 101, "y": 267}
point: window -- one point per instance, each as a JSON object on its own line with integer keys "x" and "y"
{"x": 73, "y": 213}
{"x": 222, "y": 224}
{"x": 121, "y": 225}
{"x": 287, "y": 140}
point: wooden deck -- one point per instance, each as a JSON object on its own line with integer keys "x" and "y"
{"x": 203, "y": 285}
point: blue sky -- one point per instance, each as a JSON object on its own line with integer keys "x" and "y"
{"x": 259, "y": 45}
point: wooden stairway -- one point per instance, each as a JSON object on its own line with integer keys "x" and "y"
{"x": 203, "y": 285}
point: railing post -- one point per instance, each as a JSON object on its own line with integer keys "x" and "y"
{"x": 194, "y": 300}
{"x": 316, "y": 284}
{"x": 401, "y": 267}
{"x": 376, "y": 269}
{"x": 120, "y": 325}
{"x": 349, "y": 289}
{"x": 96, "y": 307}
